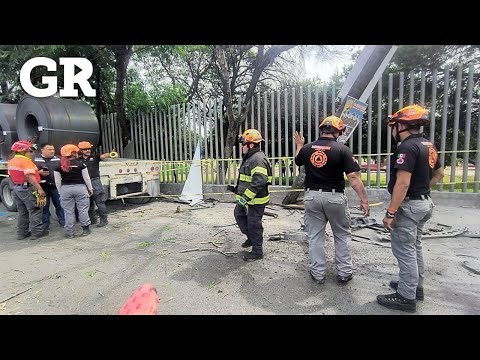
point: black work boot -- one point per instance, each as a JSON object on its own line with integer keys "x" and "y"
{"x": 86, "y": 230}
{"x": 246, "y": 244}
{"x": 419, "y": 294}
{"x": 22, "y": 237}
{"x": 93, "y": 220}
{"x": 251, "y": 256}
{"x": 397, "y": 302}
{"x": 38, "y": 236}
{"x": 317, "y": 280}
{"x": 342, "y": 280}
{"x": 103, "y": 222}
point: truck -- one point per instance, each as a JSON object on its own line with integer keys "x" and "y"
{"x": 61, "y": 121}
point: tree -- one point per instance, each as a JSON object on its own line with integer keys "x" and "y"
{"x": 241, "y": 66}
{"x": 123, "y": 53}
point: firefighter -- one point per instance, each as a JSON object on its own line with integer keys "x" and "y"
{"x": 92, "y": 161}
{"x": 415, "y": 169}
{"x": 325, "y": 162}
{"x": 255, "y": 174}
{"x": 73, "y": 183}
{"x": 47, "y": 162}
{"x": 27, "y": 192}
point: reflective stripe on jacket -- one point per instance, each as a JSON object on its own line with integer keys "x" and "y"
{"x": 255, "y": 175}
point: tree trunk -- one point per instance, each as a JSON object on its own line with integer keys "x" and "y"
{"x": 298, "y": 183}
{"x": 98, "y": 100}
{"x": 123, "y": 54}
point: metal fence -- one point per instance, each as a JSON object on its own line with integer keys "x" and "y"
{"x": 452, "y": 95}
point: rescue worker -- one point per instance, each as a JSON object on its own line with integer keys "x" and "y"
{"x": 415, "y": 169}
{"x": 46, "y": 163}
{"x": 27, "y": 192}
{"x": 75, "y": 187}
{"x": 326, "y": 161}
{"x": 255, "y": 174}
{"x": 92, "y": 161}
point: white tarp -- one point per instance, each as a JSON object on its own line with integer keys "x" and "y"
{"x": 192, "y": 190}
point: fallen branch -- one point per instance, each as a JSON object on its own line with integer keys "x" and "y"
{"x": 15, "y": 295}
{"x": 227, "y": 254}
{"x": 469, "y": 268}
{"x": 219, "y": 226}
{"x": 268, "y": 213}
{"x": 369, "y": 242}
{"x": 293, "y": 206}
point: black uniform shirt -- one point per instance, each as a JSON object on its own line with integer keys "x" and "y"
{"x": 93, "y": 165}
{"x": 74, "y": 176}
{"x": 419, "y": 157}
{"x": 50, "y": 163}
{"x": 325, "y": 162}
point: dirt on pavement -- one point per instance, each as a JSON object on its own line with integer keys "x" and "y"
{"x": 147, "y": 243}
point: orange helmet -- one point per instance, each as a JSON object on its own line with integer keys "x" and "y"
{"x": 251, "y": 136}
{"x": 412, "y": 114}
{"x": 84, "y": 145}
{"x": 334, "y": 122}
{"x": 68, "y": 149}
{"x": 21, "y": 146}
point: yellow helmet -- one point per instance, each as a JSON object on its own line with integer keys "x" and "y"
{"x": 334, "y": 122}
{"x": 250, "y": 136}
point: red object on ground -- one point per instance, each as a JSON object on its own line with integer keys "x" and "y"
{"x": 144, "y": 301}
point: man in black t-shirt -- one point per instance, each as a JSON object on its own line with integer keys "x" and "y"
{"x": 47, "y": 163}
{"x": 415, "y": 169}
{"x": 99, "y": 197}
{"x": 326, "y": 161}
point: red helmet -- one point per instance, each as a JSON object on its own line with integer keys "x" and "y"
{"x": 22, "y": 145}
{"x": 412, "y": 114}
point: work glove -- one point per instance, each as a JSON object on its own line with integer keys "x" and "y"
{"x": 242, "y": 202}
{"x": 41, "y": 199}
{"x": 232, "y": 189}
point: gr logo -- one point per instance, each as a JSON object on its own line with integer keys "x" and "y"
{"x": 70, "y": 78}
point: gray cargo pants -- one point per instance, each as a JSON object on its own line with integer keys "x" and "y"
{"x": 321, "y": 207}
{"x": 29, "y": 216}
{"x": 71, "y": 195}
{"x": 407, "y": 246}
{"x": 99, "y": 197}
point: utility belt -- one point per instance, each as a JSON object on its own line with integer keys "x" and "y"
{"x": 24, "y": 185}
{"x": 333, "y": 191}
{"x": 417, "y": 197}
{"x": 47, "y": 184}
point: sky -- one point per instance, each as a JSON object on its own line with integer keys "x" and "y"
{"x": 325, "y": 70}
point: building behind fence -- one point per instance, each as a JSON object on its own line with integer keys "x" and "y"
{"x": 452, "y": 95}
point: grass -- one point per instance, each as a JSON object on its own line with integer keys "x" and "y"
{"x": 182, "y": 170}
{"x": 145, "y": 244}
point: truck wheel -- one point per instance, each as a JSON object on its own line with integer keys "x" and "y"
{"x": 6, "y": 194}
{"x": 138, "y": 200}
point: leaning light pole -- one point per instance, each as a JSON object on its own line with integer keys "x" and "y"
{"x": 358, "y": 86}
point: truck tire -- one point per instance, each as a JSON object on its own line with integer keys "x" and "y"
{"x": 6, "y": 193}
{"x": 138, "y": 200}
